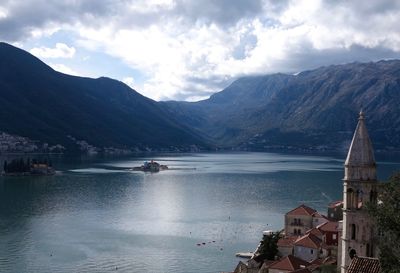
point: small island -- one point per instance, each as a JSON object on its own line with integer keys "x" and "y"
{"x": 151, "y": 166}
{"x": 21, "y": 167}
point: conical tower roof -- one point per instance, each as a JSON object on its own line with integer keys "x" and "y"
{"x": 361, "y": 152}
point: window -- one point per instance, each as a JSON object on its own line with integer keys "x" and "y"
{"x": 353, "y": 231}
{"x": 359, "y": 199}
{"x": 334, "y": 236}
{"x": 349, "y": 199}
{"x": 312, "y": 251}
{"x": 373, "y": 196}
{"x": 352, "y": 253}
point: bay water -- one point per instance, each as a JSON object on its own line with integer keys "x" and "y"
{"x": 95, "y": 215}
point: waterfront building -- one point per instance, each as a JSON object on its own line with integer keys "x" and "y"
{"x": 286, "y": 245}
{"x": 360, "y": 187}
{"x": 309, "y": 247}
{"x": 299, "y": 220}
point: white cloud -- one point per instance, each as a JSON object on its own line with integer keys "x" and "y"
{"x": 173, "y": 52}
{"x": 129, "y": 81}
{"x": 185, "y": 49}
{"x": 59, "y": 51}
{"x": 3, "y": 13}
{"x": 64, "y": 69}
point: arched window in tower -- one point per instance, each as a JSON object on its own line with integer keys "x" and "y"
{"x": 359, "y": 199}
{"x": 349, "y": 199}
{"x": 352, "y": 253}
{"x": 373, "y": 196}
{"x": 353, "y": 231}
{"x": 371, "y": 250}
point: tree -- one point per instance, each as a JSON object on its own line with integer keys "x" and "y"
{"x": 387, "y": 216}
{"x": 269, "y": 245}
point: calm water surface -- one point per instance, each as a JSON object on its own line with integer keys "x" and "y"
{"x": 94, "y": 217}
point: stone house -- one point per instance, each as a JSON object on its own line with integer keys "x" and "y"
{"x": 285, "y": 245}
{"x": 301, "y": 219}
{"x": 331, "y": 233}
{"x": 318, "y": 219}
{"x": 309, "y": 247}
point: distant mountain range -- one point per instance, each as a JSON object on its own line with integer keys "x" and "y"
{"x": 313, "y": 110}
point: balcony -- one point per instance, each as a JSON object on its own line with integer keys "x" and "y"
{"x": 298, "y": 224}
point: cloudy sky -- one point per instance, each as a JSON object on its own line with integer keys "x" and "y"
{"x": 187, "y": 49}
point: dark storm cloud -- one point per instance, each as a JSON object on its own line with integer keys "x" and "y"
{"x": 25, "y": 16}
{"x": 221, "y": 12}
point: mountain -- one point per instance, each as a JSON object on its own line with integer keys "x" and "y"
{"x": 315, "y": 109}
{"x": 51, "y": 107}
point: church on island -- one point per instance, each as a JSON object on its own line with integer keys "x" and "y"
{"x": 343, "y": 241}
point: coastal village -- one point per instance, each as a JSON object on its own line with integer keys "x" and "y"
{"x": 344, "y": 240}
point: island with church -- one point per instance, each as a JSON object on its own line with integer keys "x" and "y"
{"x": 344, "y": 240}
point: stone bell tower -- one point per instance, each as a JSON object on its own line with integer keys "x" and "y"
{"x": 360, "y": 187}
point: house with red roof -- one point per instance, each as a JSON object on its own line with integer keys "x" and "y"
{"x": 318, "y": 219}
{"x": 287, "y": 264}
{"x": 301, "y": 219}
{"x": 315, "y": 231}
{"x": 309, "y": 247}
{"x": 285, "y": 245}
{"x": 331, "y": 233}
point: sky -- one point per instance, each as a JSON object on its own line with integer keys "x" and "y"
{"x": 189, "y": 49}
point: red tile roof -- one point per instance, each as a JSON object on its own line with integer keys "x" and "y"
{"x": 317, "y": 263}
{"x": 315, "y": 231}
{"x": 287, "y": 241}
{"x": 317, "y": 214}
{"x": 289, "y": 262}
{"x": 364, "y": 265}
{"x": 309, "y": 240}
{"x": 302, "y": 210}
{"x": 329, "y": 227}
